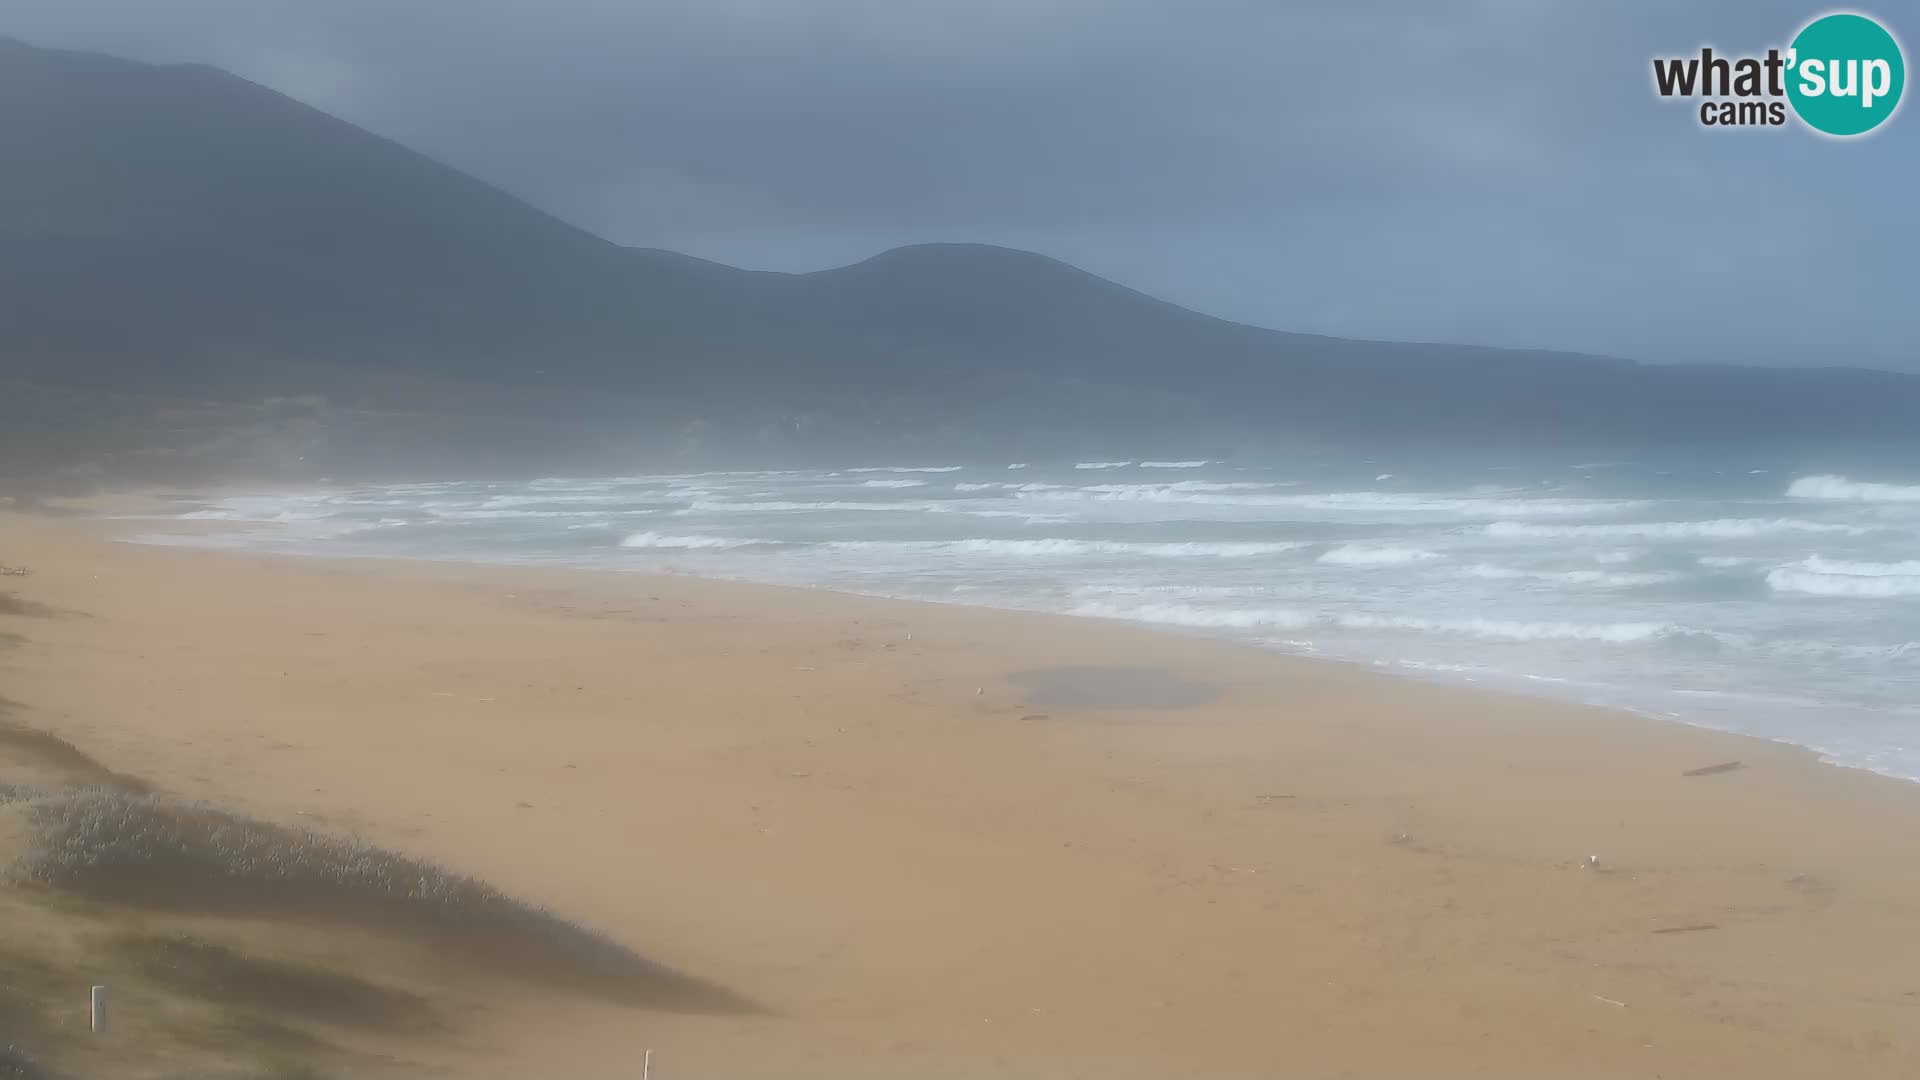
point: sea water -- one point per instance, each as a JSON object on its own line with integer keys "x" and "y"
{"x": 1748, "y": 595}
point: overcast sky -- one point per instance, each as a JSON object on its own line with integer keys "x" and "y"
{"x": 1495, "y": 171}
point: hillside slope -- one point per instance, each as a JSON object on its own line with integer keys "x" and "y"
{"x": 176, "y": 241}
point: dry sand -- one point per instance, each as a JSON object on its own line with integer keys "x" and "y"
{"x": 1006, "y": 844}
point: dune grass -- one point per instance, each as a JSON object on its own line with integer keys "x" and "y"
{"x": 50, "y": 750}
{"x": 126, "y": 880}
{"x": 141, "y": 850}
{"x": 18, "y": 1018}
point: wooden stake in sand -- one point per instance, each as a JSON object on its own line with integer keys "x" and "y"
{"x": 646, "y": 1066}
{"x": 97, "y": 1010}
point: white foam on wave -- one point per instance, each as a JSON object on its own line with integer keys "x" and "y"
{"x": 649, "y": 478}
{"x": 1716, "y": 529}
{"x": 1174, "y": 464}
{"x": 361, "y": 502}
{"x": 308, "y": 506}
{"x": 1151, "y": 491}
{"x": 423, "y": 488}
{"x": 687, "y": 543}
{"x": 1817, "y": 576}
{"x": 893, "y": 483}
{"x": 508, "y": 502}
{"x": 1364, "y": 555}
{"x": 1069, "y": 548}
{"x": 1018, "y": 465}
{"x": 1602, "y": 579}
{"x": 1174, "y": 614}
{"x": 1031, "y": 519}
{"x": 1824, "y": 650}
{"x": 1728, "y": 562}
{"x": 262, "y": 516}
{"x": 1107, "y": 590}
{"x": 785, "y": 506}
{"x": 1103, "y": 464}
{"x": 977, "y": 487}
{"x": 1246, "y": 494}
{"x": 509, "y": 515}
{"x": 1904, "y": 568}
{"x": 1839, "y": 488}
{"x": 1189, "y": 615}
{"x": 908, "y": 468}
{"x": 1800, "y": 581}
{"x": 1615, "y": 633}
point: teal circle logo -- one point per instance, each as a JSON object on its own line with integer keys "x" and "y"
{"x": 1845, "y": 74}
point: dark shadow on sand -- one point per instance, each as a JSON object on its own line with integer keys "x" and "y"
{"x": 11, "y": 604}
{"x": 226, "y": 976}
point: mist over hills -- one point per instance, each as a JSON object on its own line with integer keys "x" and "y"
{"x": 199, "y": 275}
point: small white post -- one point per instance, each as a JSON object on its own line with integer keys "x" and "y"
{"x": 646, "y": 1066}
{"x": 97, "y": 1010}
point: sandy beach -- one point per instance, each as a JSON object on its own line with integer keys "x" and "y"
{"x": 943, "y": 841}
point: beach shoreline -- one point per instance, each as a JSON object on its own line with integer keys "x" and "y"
{"x": 163, "y": 509}
{"x": 909, "y": 829}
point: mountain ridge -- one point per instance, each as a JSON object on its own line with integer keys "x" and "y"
{"x": 180, "y": 233}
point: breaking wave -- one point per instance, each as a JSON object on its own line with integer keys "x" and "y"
{"x": 1243, "y": 494}
{"x": 687, "y": 543}
{"x": 784, "y": 506}
{"x": 1189, "y": 615}
{"x": 1816, "y": 576}
{"x": 1655, "y": 594}
{"x": 1362, "y": 555}
{"x": 1071, "y": 548}
{"x": 503, "y": 515}
{"x": 1717, "y": 529}
{"x": 1903, "y": 568}
{"x": 1596, "y": 578}
{"x": 1842, "y": 489}
{"x": 503, "y": 502}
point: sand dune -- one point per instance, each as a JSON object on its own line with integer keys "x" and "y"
{"x": 950, "y": 853}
